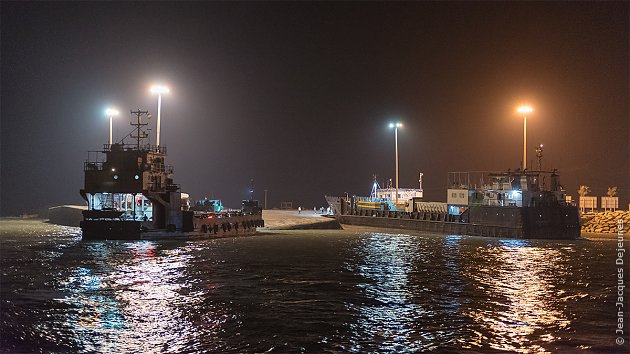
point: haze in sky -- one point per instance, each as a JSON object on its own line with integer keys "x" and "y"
{"x": 298, "y": 96}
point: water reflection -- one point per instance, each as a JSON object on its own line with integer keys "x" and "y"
{"x": 450, "y": 291}
{"x": 519, "y": 304}
{"x": 305, "y": 292}
{"x": 128, "y": 297}
{"x": 388, "y": 314}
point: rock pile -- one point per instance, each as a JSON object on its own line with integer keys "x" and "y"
{"x": 606, "y": 222}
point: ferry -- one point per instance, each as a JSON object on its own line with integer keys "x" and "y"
{"x": 130, "y": 194}
{"x": 526, "y": 204}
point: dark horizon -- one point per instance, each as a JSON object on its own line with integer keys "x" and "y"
{"x": 298, "y": 96}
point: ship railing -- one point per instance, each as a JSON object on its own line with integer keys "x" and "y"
{"x": 126, "y": 147}
{"x": 157, "y": 187}
{"x": 92, "y": 166}
{"x": 480, "y": 180}
{"x": 369, "y": 199}
{"x": 470, "y": 179}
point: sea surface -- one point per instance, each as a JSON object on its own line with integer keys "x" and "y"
{"x": 319, "y": 291}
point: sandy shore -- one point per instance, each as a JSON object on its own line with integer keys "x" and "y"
{"x": 291, "y": 219}
{"x": 70, "y": 215}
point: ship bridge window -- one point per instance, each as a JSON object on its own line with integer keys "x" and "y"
{"x": 134, "y": 207}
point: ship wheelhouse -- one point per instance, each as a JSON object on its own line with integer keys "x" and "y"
{"x": 128, "y": 183}
{"x": 504, "y": 189}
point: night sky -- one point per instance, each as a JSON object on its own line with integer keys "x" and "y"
{"x": 298, "y": 96}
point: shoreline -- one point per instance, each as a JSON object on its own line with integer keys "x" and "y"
{"x": 599, "y": 236}
{"x": 295, "y": 220}
{"x": 278, "y": 220}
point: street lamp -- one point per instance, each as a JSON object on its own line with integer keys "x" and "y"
{"x": 524, "y": 110}
{"x": 396, "y": 126}
{"x": 111, "y": 112}
{"x": 159, "y": 89}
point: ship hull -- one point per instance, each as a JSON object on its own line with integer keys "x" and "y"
{"x": 553, "y": 222}
{"x": 243, "y": 225}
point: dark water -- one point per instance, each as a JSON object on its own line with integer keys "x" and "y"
{"x": 305, "y": 291}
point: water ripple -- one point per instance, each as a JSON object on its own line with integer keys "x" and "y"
{"x": 302, "y": 291}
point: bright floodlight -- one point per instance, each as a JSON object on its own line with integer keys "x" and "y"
{"x": 525, "y": 109}
{"x": 159, "y": 89}
{"x": 395, "y": 125}
{"x": 391, "y": 125}
{"x": 111, "y": 112}
{"x": 398, "y": 125}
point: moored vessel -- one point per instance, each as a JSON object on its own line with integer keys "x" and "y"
{"x": 513, "y": 204}
{"x": 131, "y": 194}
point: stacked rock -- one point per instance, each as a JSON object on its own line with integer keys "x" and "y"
{"x": 606, "y": 222}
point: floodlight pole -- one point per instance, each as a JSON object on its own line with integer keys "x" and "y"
{"x": 524, "y": 142}
{"x": 159, "y": 89}
{"x": 158, "y": 120}
{"x": 111, "y": 112}
{"x": 111, "y": 125}
{"x": 524, "y": 110}
{"x": 396, "y": 139}
{"x": 396, "y": 126}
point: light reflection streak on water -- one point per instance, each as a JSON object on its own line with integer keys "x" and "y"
{"x": 387, "y": 316}
{"x": 452, "y": 253}
{"x": 131, "y": 302}
{"x": 521, "y": 298}
{"x": 453, "y": 284}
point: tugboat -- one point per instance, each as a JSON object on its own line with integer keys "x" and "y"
{"x": 131, "y": 195}
{"x": 513, "y": 204}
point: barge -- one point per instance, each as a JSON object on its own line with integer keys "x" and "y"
{"x": 513, "y": 204}
{"x": 131, "y": 195}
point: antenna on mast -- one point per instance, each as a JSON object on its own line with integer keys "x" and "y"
{"x": 140, "y": 133}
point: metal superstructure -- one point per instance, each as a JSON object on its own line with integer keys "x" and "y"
{"x": 518, "y": 204}
{"x": 130, "y": 193}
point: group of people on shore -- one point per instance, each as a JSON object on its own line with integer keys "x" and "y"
{"x": 321, "y": 210}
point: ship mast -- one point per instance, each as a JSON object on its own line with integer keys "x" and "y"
{"x": 140, "y": 133}
{"x": 375, "y": 188}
